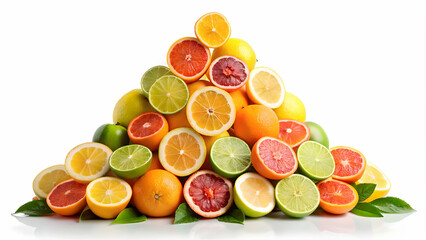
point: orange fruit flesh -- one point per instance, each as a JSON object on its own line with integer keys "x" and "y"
{"x": 212, "y": 29}
{"x": 276, "y": 156}
{"x": 293, "y": 132}
{"x": 146, "y": 125}
{"x": 336, "y": 193}
{"x": 182, "y": 151}
{"x": 348, "y": 162}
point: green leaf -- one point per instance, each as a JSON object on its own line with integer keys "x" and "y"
{"x": 366, "y": 210}
{"x": 87, "y": 214}
{"x": 392, "y": 205}
{"x": 129, "y": 215}
{"x": 364, "y": 190}
{"x": 184, "y": 214}
{"x": 34, "y": 208}
{"x": 234, "y": 215}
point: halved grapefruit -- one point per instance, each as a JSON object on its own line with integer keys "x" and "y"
{"x": 337, "y": 197}
{"x": 148, "y": 129}
{"x": 350, "y": 164}
{"x": 208, "y": 194}
{"x": 228, "y": 73}
{"x": 293, "y": 132}
{"x": 67, "y": 198}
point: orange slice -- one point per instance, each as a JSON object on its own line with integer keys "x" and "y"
{"x": 210, "y": 111}
{"x": 337, "y": 197}
{"x": 213, "y": 29}
{"x": 182, "y": 151}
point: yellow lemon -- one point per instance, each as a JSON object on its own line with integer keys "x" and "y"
{"x": 292, "y": 108}
{"x": 238, "y": 48}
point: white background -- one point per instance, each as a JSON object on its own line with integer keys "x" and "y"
{"x": 358, "y": 66}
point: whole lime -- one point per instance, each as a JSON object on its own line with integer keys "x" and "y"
{"x": 318, "y": 134}
{"x": 113, "y": 136}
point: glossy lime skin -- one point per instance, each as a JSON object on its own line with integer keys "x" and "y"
{"x": 318, "y": 134}
{"x": 113, "y": 136}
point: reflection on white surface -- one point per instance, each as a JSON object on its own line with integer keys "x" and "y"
{"x": 275, "y": 225}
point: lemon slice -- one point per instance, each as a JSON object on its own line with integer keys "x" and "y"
{"x": 265, "y": 87}
{"x": 108, "y": 196}
{"x": 373, "y": 174}
{"x": 182, "y": 151}
{"x": 48, "y": 178}
{"x": 88, "y": 161}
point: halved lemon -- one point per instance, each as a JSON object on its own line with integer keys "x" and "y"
{"x": 210, "y": 111}
{"x": 373, "y": 174}
{"x": 48, "y": 178}
{"x": 265, "y": 87}
{"x": 182, "y": 151}
{"x": 88, "y": 161}
{"x": 108, "y": 196}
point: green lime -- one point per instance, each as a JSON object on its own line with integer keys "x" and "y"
{"x": 151, "y": 75}
{"x": 318, "y": 134}
{"x": 315, "y": 161}
{"x": 297, "y": 196}
{"x": 230, "y": 156}
{"x": 168, "y": 95}
{"x": 112, "y": 135}
{"x": 130, "y": 161}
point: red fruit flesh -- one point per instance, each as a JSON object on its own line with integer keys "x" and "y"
{"x": 146, "y": 124}
{"x": 293, "y": 132}
{"x": 347, "y": 162}
{"x": 277, "y": 156}
{"x": 67, "y": 193}
{"x": 228, "y": 72}
{"x": 189, "y": 57}
{"x": 335, "y": 192}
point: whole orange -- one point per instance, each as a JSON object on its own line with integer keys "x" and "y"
{"x": 157, "y": 193}
{"x": 254, "y": 122}
{"x": 239, "y": 97}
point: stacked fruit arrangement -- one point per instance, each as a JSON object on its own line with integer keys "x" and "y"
{"x": 209, "y": 132}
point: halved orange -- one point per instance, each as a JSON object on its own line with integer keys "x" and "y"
{"x": 294, "y": 132}
{"x": 182, "y": 151}
{"x": 67, "y": 198}
{"x": 188, "y": 59}
{"x": 213, "y": 29}
{"x": 210, "y": 111}
{"x": 350, "y": 164}
{"x": 148, "y": 129}
{"x": 337, "y": 197}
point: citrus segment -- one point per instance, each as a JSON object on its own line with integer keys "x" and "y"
{"x": 228, "y": 73}
{"x": 148, "y": 129}
{"x": 210, "y": 111}
{"x": 208, "y": 194}
{"x": 373, "y": 174}
{"x": 48, "y": 178}
{"x": 254, "y": 195}
{"x": 168, "y": 95}
{"x": 130, "y": 161}
{"x": 265, "y": 87}
{"x": 293, "y": 132}
{"x": 297, "y": 196}
{"x": 315, "y": 161}
{"x": 188, "y": 59}
{"x": 337, "y": 197}
{"x": 350, "y": 164}
{"x": 151, "y": 75}
{"x": 182, "y": 151}
{"x": 212, "y": 29}
{"x": 88, "y": 161}
{"x": 108, "y": 196}
{"x": 273, "y": 158}
{"x": 67, "y": 198}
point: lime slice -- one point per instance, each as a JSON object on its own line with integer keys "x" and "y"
{"x": 230, "y": 156}
{"x": 168, "y": 95}
{"x": 297, "y": 196}
{"x": 254, "y": 195}
{"x": 315, "y": 161}
{"x": 151, "y": 75}
{"x": 130, "y": 161}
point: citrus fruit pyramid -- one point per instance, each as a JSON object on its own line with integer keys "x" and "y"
{"x": 207, "y": 134}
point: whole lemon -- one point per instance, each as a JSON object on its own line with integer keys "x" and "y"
{"x": 292, "y": 108}
{"x": 238, "y": 48}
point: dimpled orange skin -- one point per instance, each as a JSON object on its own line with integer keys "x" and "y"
{"x": 157, "y": 193}
{"x": 254, "y": 122}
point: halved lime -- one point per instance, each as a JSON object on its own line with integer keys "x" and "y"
{"x": 297, "y": 196}
{"x": 315, "y": 161}
{"x": 130, "y": 161}
{"x": 168, "y": 95}
{"x": 151, "y": 75}
{"x": 230, "y": 156}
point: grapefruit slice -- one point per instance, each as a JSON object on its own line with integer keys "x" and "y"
{"x": 350, "y": 164}
{"x": 337, "y": 197}
{"x": 293, "y": 132}
{"x": 228, "y": 73}
{"x": 188, "y": 59}
{"x": 67, "y": 198}
{"x": 208, "y": 194}
{"x": 213, "y": 29}
{"x": 273, "y": 158}
{"x": 148, "y": 129}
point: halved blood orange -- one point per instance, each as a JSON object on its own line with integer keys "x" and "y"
{"x": 350, "y": 164}
{"x": 188, "y": 59}
{"x": 148, "y": 129}
{"x": 293, "y": 132}
{"x": 208, "y": 194}
{"x": 228, "y": 73}
{"x": 337, "y": 197}
{"x": 67, "y": 198}
{"x": 273, "y": 158}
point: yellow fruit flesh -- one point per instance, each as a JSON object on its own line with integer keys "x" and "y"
{"x": 108, "y": 191}
{"x": 182, "y": 151}
{"x": 213, "y": 29}
{"x": 373, "y": 175}
{"x": 49, "y": 180}
{"x": 89, "y": 161}
{"x": 266, "y": 87}
{"x": 256, "y": 192}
